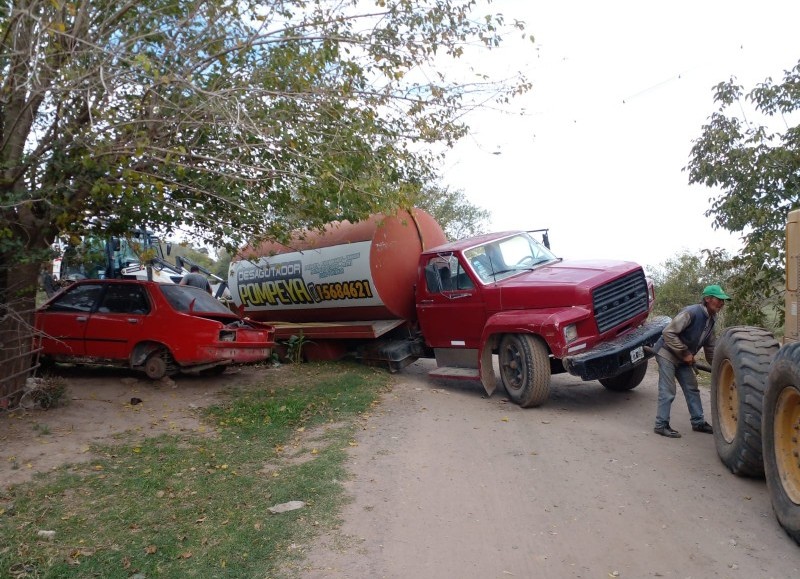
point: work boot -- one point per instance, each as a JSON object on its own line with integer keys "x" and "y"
{"x": 705, "y": 427}
{"x": 667, "y": 431}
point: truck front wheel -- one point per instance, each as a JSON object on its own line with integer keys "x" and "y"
{"x": 780, "y": 433}
{"x": 525, "y": 369}
{"x": 738, "y": 379}
{"x": 627, "y": 380}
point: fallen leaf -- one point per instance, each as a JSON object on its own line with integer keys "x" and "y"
{"x": 150, "y": 549}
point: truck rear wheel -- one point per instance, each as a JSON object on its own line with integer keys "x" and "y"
{"x": 780, "y": 432}
{"x": 627, "y": 380}
{"x": 738, "y": 379}
{"x": 525, "y": 369}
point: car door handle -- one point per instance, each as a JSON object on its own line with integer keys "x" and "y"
{"x": 81, "y": 319}
{"x": 133, "y": 321}
{"x": 426, "y": 301}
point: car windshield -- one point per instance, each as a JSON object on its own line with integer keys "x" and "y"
{"x": 184, "y": 298}
{"x": 505, "y": 257}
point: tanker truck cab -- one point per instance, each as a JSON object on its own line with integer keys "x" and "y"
{"x": 456, "y": 296}
{"x": 505, "y": 294}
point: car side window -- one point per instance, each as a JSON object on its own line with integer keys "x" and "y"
{"x": 124, "y": 299}
{"x": 81, "y": 298}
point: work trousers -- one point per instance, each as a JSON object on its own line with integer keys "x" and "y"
{"x": 668, "y": 373}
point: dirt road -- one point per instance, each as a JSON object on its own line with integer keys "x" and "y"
{"x": 451, "y": 484}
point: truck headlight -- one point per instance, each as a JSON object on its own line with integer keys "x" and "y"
{"x": 570, "y": 333}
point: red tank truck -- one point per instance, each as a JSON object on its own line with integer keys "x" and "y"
{"x": 391, "y": 290}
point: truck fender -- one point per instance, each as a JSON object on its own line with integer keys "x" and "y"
{"x": 546, "y": 323}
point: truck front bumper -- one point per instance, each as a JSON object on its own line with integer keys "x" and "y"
{"x": 617, "y": 356}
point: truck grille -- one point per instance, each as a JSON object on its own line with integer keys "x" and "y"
{"x": 617, "y": 302}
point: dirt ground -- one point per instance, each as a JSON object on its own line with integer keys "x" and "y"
{"x": 99, "y": 407}
{"x": 449, "y": 483}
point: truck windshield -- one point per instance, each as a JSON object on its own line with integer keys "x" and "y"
{"x": 505, "y": 257}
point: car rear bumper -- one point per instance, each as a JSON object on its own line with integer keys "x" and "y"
{"x": 614, "y": 357}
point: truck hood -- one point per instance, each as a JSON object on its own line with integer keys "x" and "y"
{"x": 561, "y": 284}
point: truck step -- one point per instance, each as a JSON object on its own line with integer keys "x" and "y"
{"x": 454, "y": 373}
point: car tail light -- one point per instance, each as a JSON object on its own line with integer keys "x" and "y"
{"x": 227, "y": 336}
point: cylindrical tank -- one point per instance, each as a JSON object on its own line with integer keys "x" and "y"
{"x": 349, "y": 272}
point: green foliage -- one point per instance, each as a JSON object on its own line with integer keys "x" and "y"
{"x": 294, "y": 348}
{"x": 234, "y": 120}
{"x": 193, "y": 505}
{"x": 750, "y": 152}
{"x": 679, "y": 282}
{"x": 458, "y": 217}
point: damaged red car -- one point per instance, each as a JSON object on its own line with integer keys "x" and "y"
{"x": 159, "y": 329}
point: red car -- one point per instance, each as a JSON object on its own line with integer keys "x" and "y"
{"x": 160, "y": 329}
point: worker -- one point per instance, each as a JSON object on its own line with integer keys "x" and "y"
{"x": 196, "y": 279}
{"x": 681, "y": 339}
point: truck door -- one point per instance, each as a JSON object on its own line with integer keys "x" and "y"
{"x": 449, "y": 305}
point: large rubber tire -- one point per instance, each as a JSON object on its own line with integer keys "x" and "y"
{"x": 525, "y": 369}
{"x": 738, "y": 379}
{"x": 627, "y": 380}
{"x": 780, "y": 432}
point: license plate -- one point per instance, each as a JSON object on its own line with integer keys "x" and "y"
{"x": 637, "y": 354}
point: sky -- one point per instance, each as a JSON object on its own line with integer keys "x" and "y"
{"x": 595, "y": 151}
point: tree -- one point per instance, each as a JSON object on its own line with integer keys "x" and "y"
{"x": 679, "y": 281}
{"x": 458, "y": 217}
{"x": 234, "y": 120}
{"x": 750, "y": 151}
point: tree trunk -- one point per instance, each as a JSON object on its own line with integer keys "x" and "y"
{"x": 18, "y": 294}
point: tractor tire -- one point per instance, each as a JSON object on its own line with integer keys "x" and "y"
{"x": 525, "y": 369}
{"x": 627, "y": 380}
{"x": 738, "y": 380}
{"x": 780, "y": 431}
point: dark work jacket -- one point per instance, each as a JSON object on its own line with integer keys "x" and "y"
{"x": 686, "y": 330}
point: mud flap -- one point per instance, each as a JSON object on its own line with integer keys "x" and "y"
{"x": 488, "y": 378}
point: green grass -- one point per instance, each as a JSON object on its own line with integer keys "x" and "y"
{"x": 196, "y": 505}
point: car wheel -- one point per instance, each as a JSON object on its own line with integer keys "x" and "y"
{"x": 159, "y": 364}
